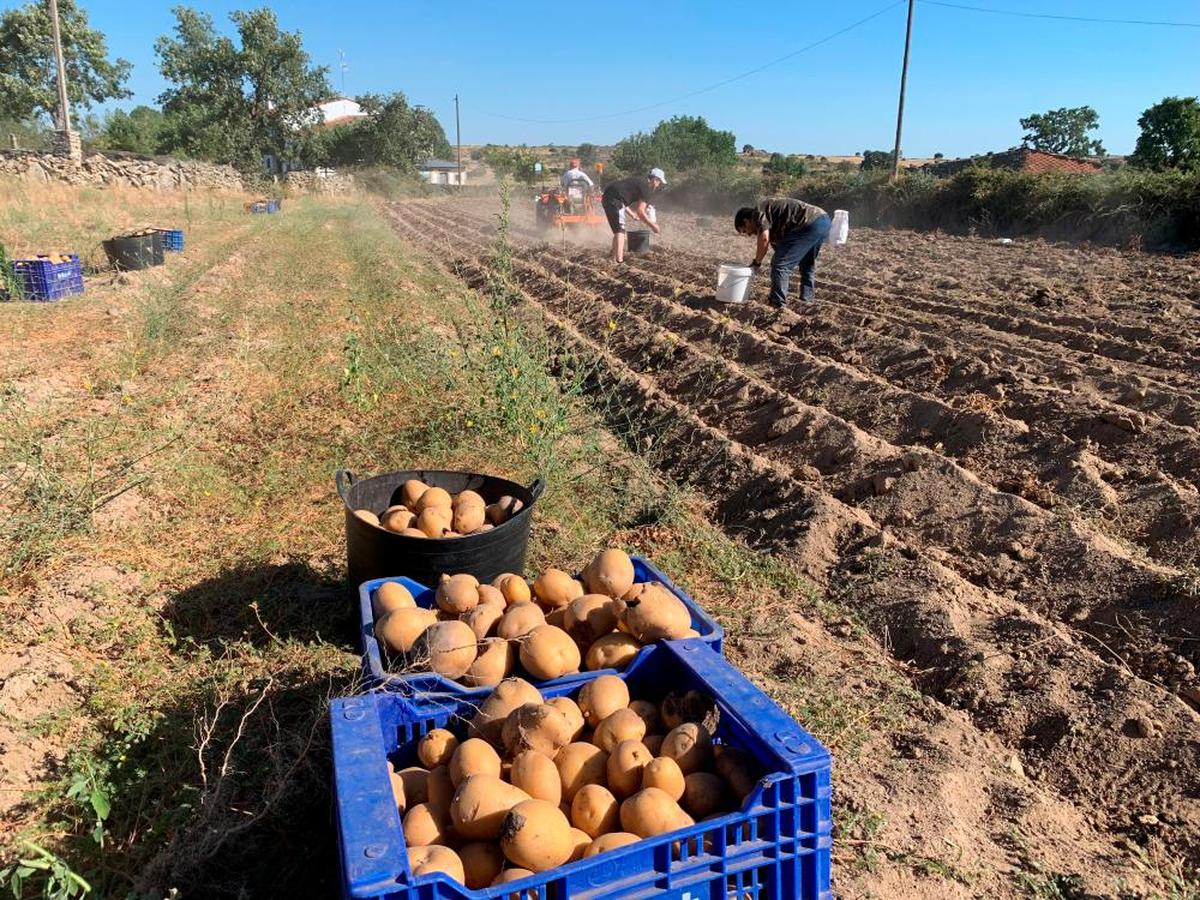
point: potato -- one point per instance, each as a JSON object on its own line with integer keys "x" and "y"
{"x": 495, "y": 661}
{"x": 548, "y": 652}
{"x": 520, "y": 619}
{"x": 690, "y": 746}
{"x": 613, "y": 651}
{"x": 389, "y": 597}
{"x": 535, "y": 726}
{"x": 467, "y": 518}
{"x": 595, "y": 810}
{"x": 664, "y": 773}
{"x": 411, "y": 491}
{"x": 489, "y": 594}
{"x": 580, "y": 841}
{"x": 655, "y": 615}
{"x": 588, "y": 618}
{"x": 648, "y": 712}
{"x": 536, "y": 836}
{"x": 536, "y": 774}
{"x": 397, "y": 519}
{"x": 610, "y": 573}
{"x": 482, "y": 862}
{"x": 439, "y": 788}
{"x": 480, "y": 805}
{"x": 625, "y": 766}
{"x": 458, "y": 594}
{"x": 570, "y": 709}
{"x": 600, "y": 698}
{"x": 423, "y": 860}
{"x": 414, "y": 533}
{"x": 416, "y": 785}
{"x": 654, "y": 743}
{"x": 425, "y": 825}
{"x": 468, "y": 498}
{"x": 473, "y": 756}
{"x": 704, "y": 794}
{"x": 484, "y": 618}
{"x": 433, "y": 522}
{"x": 399, "y": 629}
{"x": 504, "y": 509}
{"x": 555, "y": 617}
{"x": 436, "y": 748}
{"x": 580, "y": 764}
{"x": 508, "y": 695}
{"x": 448, "y": 647}
{"x": 650, "y": 812}
{"x": 555, "y": 588}
{"x": 398, "y": 793}
{"x": 514, "y": 588}
{"x": 433, "y": 497}
{"x": 610, "y": 841}
{"x": 514, "y": 875}
{"x": 739, "y": 769}
{"x": 622, "y": 725}
{"x": 367, "y": 516}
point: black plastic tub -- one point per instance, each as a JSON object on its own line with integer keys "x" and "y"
{"x": 373, "y": 552}
{"x": 639, "y": 241}
{"x": 138, "y": 251}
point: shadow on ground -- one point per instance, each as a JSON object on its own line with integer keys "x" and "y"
{"x": 258, "y": 603}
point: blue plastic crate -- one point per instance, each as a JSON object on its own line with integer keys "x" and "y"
{"x": 172, "y": 239}
{"x": 433, "y": 684}
{"x": 257, "y": 208}
{"x": 43, "y": 280}
{"x": 777, "y": 847}
{"x": 273, "y": 206}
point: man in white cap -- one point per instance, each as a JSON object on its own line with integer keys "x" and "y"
{"x": 632, "y": 194}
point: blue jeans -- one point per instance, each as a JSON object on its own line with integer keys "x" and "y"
{"x": 798, "y": 248}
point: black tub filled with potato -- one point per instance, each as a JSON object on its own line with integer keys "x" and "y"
{"x": 375, "y": 551}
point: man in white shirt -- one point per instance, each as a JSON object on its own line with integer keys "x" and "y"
{"x": 575, "y": 174}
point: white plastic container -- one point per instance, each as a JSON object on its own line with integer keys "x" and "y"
{"x": 839, "y": 231}
{"x": 733, "y": 283}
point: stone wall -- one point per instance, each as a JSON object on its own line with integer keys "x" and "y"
{"x": 124, "y": 170}
{"x": 326, "y": 181}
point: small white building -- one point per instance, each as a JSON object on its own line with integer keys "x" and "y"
{"x": 442, "y": 171}
{"x": 339, "y": 111}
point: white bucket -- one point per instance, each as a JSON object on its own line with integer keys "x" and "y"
{"x": 839, "y": 230}
{"x": 733, "y": 283}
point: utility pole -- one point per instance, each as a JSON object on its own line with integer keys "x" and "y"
{"x": 903, "y": 83}
{"x": 64, "y": 112}
{"x": 458, "y": 141}
{"x": 342, "y": 65}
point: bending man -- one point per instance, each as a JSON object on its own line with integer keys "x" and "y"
{"x": 634, "y": 193}
{"x": 796, "y": 230}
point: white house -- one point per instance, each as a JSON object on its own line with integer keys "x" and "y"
{"x": 441, "y": 171}
{"x": 339, "y": 111}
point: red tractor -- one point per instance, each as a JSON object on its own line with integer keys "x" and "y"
{"x": 578, "y": 203}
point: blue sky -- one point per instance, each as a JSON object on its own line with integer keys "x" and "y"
{"x": 972, "y": 75}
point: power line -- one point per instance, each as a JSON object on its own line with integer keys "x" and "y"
{"x": 1031, "y": 15}
{"x": 711, "y": 87}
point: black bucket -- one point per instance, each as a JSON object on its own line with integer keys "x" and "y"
{"x": 138, "y": 251}
{"x": 372, "y": 552}
{"x": 639, "y": 242}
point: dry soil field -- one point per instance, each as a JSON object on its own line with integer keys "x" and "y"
{"x": 989, "y": 455}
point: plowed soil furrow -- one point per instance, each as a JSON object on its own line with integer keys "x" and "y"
{"x": 1059, "y": 706}
{"x": 1007, "y": 544}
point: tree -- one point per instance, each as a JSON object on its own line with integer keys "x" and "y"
{"x": 515, "y": 162}
{"x": 874, "y": 160}
{"x": 1063, "y": 131}
{"x": 939, "y": 156}
{"x": 747, "y": 148}
{"x": 792, "y": 166}
{"x": 587, "y": 154}
{"x": 139, "y": 131}
{"x": 679, "y": 143}
{"x": 28, "y": 87}
{"x": 235, "y": 103}
{"x": 394, "y": 134}
{"x": 1170, "y": 137}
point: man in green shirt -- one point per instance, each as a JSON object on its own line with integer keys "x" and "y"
{"x": 796, "y": 230}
